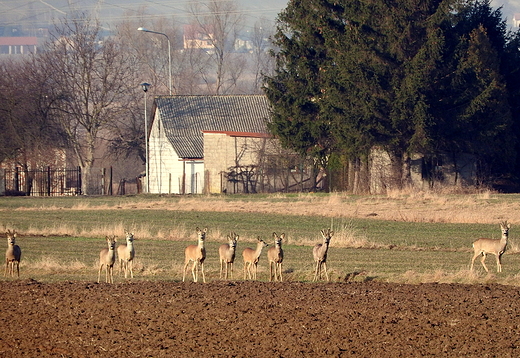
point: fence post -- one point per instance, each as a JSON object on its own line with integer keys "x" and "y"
{"x": 110, "y": 182}
{"x": 103, "y": 173}
{"x": 48, "y": 181}
{"x": 79, "y": 181}
{"x": 16, "y": 180}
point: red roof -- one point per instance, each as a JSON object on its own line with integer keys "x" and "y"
{"x": 241, "y": 134}
{"x": 18, "y": 41}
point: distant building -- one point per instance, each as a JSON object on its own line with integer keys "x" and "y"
{"x": 196, "y": 37}
{"x": 18, "y": 45}
{"x": 516, "y": 20}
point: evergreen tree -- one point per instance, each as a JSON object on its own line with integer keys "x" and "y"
{"x": 472, "y": 109}
{"x": 415, "y": 76}
{"x": 297, "y": 85}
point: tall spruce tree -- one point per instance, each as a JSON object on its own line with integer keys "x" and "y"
{"x": 473, "y": 114}
{"x": 297, "y": 85}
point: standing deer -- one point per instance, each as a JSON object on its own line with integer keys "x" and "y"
{"x": 491, "y": 246}
{"x": 251, "y": 258}
{"x": 227, "y": 255}
{"x": 126, "y": 253}
{"x": 13, "y": 255}
{"x": 275, "y": 257}
{"x": 320, "y": 254}
{"x": 107, "y": 257}
{"x": 197, "y": 254}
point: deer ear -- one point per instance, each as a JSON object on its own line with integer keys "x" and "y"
{"x": 282, "y": 236}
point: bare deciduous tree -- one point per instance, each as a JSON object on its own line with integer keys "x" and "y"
{"x": 92, "y": 76}
{"x": 220, "y": 21}
{"x": 27, "y": 136}
{"x": 262, "y": 62}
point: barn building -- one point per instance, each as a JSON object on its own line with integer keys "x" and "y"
{"x": 195, "y": 140}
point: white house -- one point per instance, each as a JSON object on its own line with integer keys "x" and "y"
{"x": 177, "y": 148}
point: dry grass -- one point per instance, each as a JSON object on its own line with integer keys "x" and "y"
{"x": 52, "y": 264}
{"x": 420, "y": 206}
{"x": 155, "y": 236}
{"x": 463, "y": 276}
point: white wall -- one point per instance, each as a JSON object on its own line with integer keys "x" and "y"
{"x": 167, "y": 170}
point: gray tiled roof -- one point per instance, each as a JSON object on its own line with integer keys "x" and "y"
{"x": 185, "y": 117}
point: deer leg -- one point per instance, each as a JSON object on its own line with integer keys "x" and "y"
{"x": 473, "y": 260}
{"x": 202, "y": 271}
{"x": 131, "y": 267}
{"x": 326, "y": 274}
{"x": 499, "y": 263}
{"x": 184, "y": 271}
{"x": 281, "y": 279}
{"x": 99, "y": 272}
{"x": 193, "y": 268}
{"x": 226, "y": 275}
{"x": 482, "y": 260}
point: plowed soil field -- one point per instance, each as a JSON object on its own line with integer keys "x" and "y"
{"x": 257, "y": 319}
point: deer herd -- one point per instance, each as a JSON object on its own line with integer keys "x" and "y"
{"x": 196, "y": 254}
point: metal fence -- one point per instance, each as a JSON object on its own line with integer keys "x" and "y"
{"x": 42, "y": 182}
{"x": 63, "y": 181}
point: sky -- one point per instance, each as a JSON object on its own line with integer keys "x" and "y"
{"x": 12, "y": 11}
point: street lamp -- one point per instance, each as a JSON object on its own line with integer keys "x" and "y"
{"x": 169, "y": 52}
{"x": 145, "y": 86}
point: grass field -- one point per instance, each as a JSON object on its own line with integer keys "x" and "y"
{"x": 398, "y": 238}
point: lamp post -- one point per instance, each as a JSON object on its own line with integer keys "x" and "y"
{"x": 145, "y": 86}
{"x": 169, "y": 53}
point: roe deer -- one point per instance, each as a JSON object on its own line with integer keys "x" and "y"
{"x": 126, "y": 253}
{"x": 491, "y": 246}
{"x": 107, "y": 257}
{"x": 197, "y": 254}
{"x": 13, "y": 255}
{"x": 275, "y": 257}
{"x": 251, "y": 258}
{"x": 320, "y": 254}
{"x": 227, "y": 254}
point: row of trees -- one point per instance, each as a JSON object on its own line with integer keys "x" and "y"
{"x": 81, "y": 90}
{"x": 416, "y": 76}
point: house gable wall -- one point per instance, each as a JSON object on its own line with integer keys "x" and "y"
{"x": 222, "y": 152}
{"x": 170, "y": 174}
